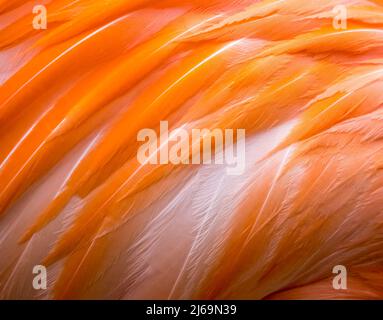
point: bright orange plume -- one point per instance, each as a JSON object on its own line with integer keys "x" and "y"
{"x": 305, "y": 86}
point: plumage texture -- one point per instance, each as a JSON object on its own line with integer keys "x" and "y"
{"x": 74, "y": 197}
